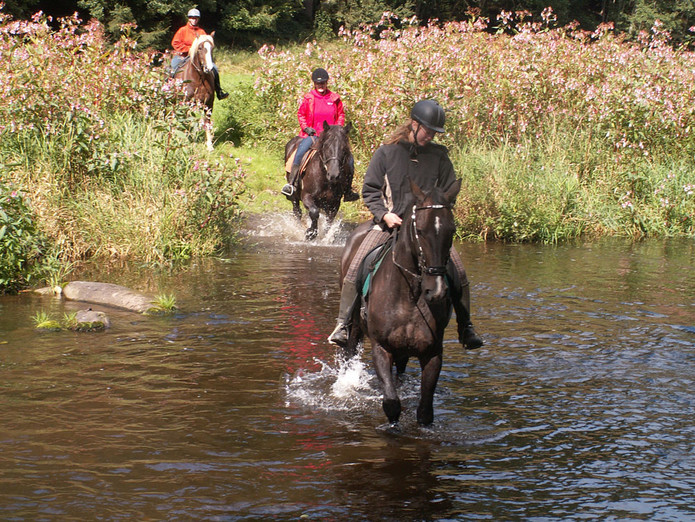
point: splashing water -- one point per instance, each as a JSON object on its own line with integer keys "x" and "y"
{"x": 345, "y": 386}
{"x": 286, "y": 226}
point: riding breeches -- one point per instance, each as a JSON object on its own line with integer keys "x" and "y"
{"x": 376, "y": 237}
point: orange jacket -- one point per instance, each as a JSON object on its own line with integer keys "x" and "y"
{"x": 183, "y": 39}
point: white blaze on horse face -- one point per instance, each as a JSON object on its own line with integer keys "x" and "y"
{"x": 208, "y": 56}
{"x": 437, "y": 225}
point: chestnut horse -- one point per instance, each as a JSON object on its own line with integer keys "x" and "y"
{"x": 199, "y": 79}
{"x": 408, "y": 305}
{"x": 328, "y": 175}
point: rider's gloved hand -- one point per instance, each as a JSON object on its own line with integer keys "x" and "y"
{"x": 310, "y": 131}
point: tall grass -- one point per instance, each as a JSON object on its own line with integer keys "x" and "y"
{"x": 558, "y": 132}
{"x": 104, "y": 152}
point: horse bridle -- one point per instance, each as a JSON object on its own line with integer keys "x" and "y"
{"x": 422, "y": 262}
{"x": 332, "y": 158}
{"x": 197, "y": 67}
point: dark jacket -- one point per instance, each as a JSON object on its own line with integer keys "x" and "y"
{"x": 386, "y": 187}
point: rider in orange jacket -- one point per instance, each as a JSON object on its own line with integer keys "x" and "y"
{"x": 182, "y": 41}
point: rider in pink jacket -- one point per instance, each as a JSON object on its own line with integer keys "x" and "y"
{"x": 318, "y": 105}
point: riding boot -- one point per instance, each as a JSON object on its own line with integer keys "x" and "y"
{"x": 348, "y": 298}
{"x": 221, "y": 95}
{"x": 467, "y": 336}
{"x": 290, "y": 188}
{"x": 351, "y": 195}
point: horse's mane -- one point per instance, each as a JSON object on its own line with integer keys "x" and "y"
{"x": 198, "y": 42}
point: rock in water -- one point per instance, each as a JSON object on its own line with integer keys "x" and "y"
{"x": 108, "y": 294}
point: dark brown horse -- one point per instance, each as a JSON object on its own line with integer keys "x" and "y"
{"x": 328, "y": 175}
{"x": 409, "y": 304}
{"x": 199, "y": 79}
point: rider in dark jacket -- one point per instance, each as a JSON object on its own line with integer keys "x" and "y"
{"x": 408, "y": 154}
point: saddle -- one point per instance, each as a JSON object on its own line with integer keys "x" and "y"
{"x": 173, "y": 72}
{"x": 305, "y": 161}
{"x": 370, "y": 264}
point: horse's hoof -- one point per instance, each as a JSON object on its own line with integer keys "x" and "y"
{"x": 392, "y": 409}
{"x": 311, "y": 234}
{"x": 425, "y": 417}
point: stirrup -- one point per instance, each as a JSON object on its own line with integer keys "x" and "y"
{"x": 288, "y": 190}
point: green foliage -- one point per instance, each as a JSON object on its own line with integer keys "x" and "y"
{"x": 153, "y": 21}
{"x": 107, "y": 149}
{"x": 163, "y": 304}
{"x": 557, "y": 132}
{"x": 24, "y": 253}
{"x": 43, "y": 321}
{"x": 247, "y": 21}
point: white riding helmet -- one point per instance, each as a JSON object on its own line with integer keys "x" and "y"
{"x": 194, "y": 13}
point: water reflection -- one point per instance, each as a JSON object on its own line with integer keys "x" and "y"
{"x": 579, "y": 405}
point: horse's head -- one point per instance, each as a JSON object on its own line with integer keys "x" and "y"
{"x": 431, "y": 229}
{"x": 201, "y": 53}
{"x": 334, "y": 148}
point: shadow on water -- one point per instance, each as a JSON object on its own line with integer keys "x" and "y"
{"x": 580, "y": 404}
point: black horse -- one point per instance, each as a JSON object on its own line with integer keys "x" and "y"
{"x": 409, "y": 304}
{"x": 328, "y": 175}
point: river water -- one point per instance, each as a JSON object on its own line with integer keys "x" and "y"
{"x": 581, "y": 404}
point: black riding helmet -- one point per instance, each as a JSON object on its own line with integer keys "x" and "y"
{"x": 319, "y": 75}
{"x": 430, "y": 114}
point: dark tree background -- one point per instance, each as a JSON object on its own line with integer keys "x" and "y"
{"x": 253, "y": 22}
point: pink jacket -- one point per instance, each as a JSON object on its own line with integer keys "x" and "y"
{"x": 305, "y": 114}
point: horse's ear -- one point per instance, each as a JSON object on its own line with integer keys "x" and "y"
{"x": 450, "y": 195}
{"x": 417, "y": 192}
{"x": 325, "y": 125}
{"x": 212, "y": 34}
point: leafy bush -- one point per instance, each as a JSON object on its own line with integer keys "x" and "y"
{"x": 24, "y": 253}
{"x": 101, "y": 139}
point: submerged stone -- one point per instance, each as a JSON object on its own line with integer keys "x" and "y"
{"x": 91, "y": 321}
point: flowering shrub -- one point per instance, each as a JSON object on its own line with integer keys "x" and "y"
{"x": 64, "y": 88}
{"x": 638, "y": 96}
{"x": 102, "y": 146}
{"x": 531, "y": 89}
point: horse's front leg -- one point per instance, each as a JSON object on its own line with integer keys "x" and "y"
{"x": 383, "y": 361}
{"x": 431, "y": 368}
{"x": 207, "y": 125}
{"x": 297, "y": 209}
{"x": 331, "y": 212}
{"x": 313, "y": 229}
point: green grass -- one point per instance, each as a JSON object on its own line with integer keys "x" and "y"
{"x": 164, "y": 304}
